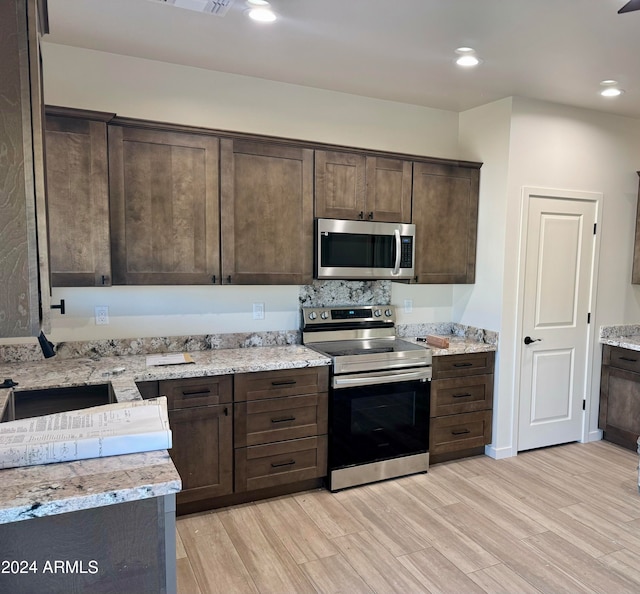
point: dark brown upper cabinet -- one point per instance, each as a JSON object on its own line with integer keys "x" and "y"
{"x": 78, "y": 197}
{"x": 266, "y": 213}
{"x": 358, "y": 187}
{"x": 635, "y": 274}
{"x": 445, "y": 212}
{"x": 164, "y": 207}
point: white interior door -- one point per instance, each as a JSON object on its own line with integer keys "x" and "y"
{"x": 558, "y": 268}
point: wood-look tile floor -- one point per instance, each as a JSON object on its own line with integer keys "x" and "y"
{"x": 560, "y": 519}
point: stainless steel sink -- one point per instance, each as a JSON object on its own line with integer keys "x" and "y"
{"x": 35, "y": 403}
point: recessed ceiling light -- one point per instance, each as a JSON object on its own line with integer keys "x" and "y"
{"x": 611, "y": 92}
{"x": 467, "y": 57}
{"x": 610, "y": 88}
{"x": 262, "y": 15}
{"x": 258, "y": 2}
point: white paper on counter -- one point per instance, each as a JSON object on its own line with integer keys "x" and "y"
{"x": 108, "y": 430}
{"x": 169, "y": 359}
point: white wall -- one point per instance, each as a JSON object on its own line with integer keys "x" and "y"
{"x": 556, "y": 146}
{"x": 152, "y": 90}
{"x": 485, "y": 136}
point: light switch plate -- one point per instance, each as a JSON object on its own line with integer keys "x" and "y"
{"x": 408, "y": 305}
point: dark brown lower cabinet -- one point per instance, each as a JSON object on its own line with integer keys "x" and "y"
{"x": 620, "y": 396}
{"x": 203, "y": 451}
{"x": 461, "y": 405}
{"x": 246, "y": 437}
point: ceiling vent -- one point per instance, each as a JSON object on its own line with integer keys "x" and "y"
{"x": 216, "y": 7}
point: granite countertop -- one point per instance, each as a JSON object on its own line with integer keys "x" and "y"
{"x": 627, "y": 337}
{"x": 49, "y": 489}
{"x": 457, "y": 346}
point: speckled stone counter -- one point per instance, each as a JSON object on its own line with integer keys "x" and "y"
{"x": 37, "y": 491}
{"x": 457, "y": 346}
{"x": 627, "y": 337}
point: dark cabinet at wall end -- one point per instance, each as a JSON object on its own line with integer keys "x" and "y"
{"x": 635, "y": 274}
{"x": 619, "y": 416}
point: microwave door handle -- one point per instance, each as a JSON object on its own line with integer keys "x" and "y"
{"x": 396, "y": 268}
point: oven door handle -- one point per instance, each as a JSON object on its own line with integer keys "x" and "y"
{"x": 381, "y": 377}
{"x": 396, "y": 267}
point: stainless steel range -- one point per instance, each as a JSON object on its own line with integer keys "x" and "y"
{"x": 379, "y": 400}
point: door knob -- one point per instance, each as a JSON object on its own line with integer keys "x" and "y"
{"x": 529, "y": 340}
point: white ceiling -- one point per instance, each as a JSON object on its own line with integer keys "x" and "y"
{"x": 400, "y": 50}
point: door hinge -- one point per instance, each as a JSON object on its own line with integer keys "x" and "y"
{"x": 584, "y": 405}
{"x": 595, "y": 225}
{"x": 589, "y": 318}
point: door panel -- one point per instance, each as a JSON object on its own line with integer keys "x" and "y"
{"x": 558, "y": 270}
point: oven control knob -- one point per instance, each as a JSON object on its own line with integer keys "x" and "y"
{"x": 377, "y": 313}
{"x": 324, "y": 315}
{"x": 313, "y": 315}
{"x": 388, "y": 312}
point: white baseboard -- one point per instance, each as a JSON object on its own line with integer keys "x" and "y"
{"x": 595, "y": 435}
{"x": 499, "y": 453}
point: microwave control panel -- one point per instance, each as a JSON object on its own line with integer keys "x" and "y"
{"x": 406, "y": 251}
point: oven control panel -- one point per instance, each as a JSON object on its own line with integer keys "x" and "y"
{"x": 312, "y": 316}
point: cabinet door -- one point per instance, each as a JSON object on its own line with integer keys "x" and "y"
{"x": 445, "y": 212}
{"x": 620, "y": 406}
{"x": 340, "y": 185}
{"x": 388, "y": 190}
{"x": 266, "y": 213}
{"x": 164, "y": 207}
{"x": 635, "y": 272}
{"x": 24, "y": 275}
{"x": 203, "y": 451}
{"x": 78, "y": 201}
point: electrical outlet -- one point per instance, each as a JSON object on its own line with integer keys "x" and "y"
{"x": 258, "y": 311}
{"x": 102, "y": 315}
{"x": 408, "y": 305}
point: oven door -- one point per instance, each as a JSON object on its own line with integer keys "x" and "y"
{"x": 378, "y": 416}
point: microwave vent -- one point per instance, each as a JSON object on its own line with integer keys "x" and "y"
{"x": 215, "y": 7}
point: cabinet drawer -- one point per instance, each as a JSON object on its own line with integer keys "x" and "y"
{"x": 275, "y": 464}
{"x": 461, "y": 365}
{"x": 622, "y": 358}
{"x": 197, "y": 391}
{"x": 285, "y": 382}
{"x": 460, "y": 432}
{"x": 278, "y": 419}
{"x": 461, "y": 394}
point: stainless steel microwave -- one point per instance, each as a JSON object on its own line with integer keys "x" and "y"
{"x": 356, "y": 250}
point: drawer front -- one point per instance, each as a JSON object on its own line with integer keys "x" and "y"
{"x": 461, "y": 365}
{"x": 277, "y": 384}
{"x": 460, "y": 432}
{"x": 259, "y": 467}
{"x": 623, "y": 358}
{"x": 279, "y": 419}
{"x": 461, "y": 394}
{"x": 197, "y": 391}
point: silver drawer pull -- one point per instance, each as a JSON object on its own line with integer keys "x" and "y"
{"x": 460, "y": 395}
{"x": 628, "y": 359}
{"x": 463, "y": 432}
{"x": 280, "y": 464}
{"x": 284, "y": 383}
{"x": 462, "y": 364}
{"x": 283, "y": 420}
